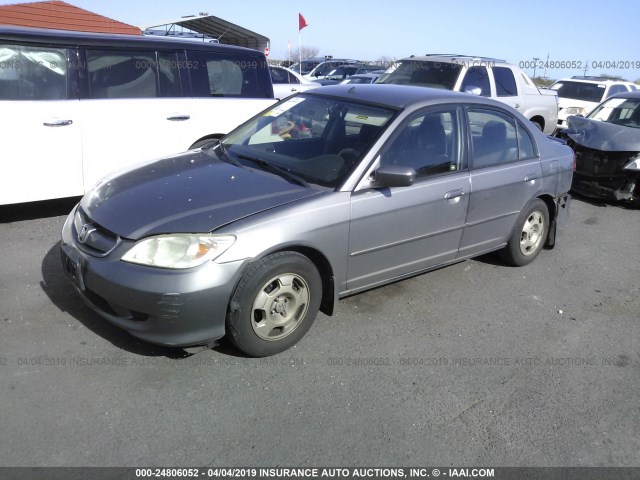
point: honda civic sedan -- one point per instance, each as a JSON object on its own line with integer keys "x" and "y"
{"x": 326, "y": 194}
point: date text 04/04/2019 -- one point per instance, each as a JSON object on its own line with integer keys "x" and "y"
{"x": 580, "y": 65}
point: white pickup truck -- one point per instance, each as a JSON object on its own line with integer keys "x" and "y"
{"x": 487, "y": 77}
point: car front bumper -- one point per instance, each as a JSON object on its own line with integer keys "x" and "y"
{"x": 620, "y": 187}
{"x": 177, "y": 308}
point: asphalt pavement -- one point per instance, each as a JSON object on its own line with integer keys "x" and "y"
{"x": 475, "y": 364}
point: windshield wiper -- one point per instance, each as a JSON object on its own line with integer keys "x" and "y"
{"x": 225, "y": 156}
{"x": 276, "y": 169}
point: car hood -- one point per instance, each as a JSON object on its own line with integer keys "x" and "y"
{"x": 604, "y": 136}
{"x": 191, "y": 192}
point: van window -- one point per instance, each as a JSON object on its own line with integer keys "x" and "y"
{"x": 169, "y": 75}
{"x": 222, "y": 75}
{"x": 32, "y": 73}
{"x": 114, "y": 74}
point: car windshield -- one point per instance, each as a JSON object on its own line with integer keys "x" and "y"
{"x": 315, "y": 139}
{"x": 423, "y": 73}
{"x": 305, "y": 67}
{"x": 588, "y": 92}
{"x": 620, "y": 111}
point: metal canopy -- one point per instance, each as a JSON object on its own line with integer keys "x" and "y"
{"x": 212, "y": 26}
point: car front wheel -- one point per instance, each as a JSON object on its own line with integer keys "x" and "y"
{"x": 275, "y": 304}
{"x": 529, "y": 235}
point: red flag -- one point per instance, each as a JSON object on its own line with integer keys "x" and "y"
{"x": 301, "y": 22}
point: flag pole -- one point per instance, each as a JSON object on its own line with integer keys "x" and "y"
{"x": 302, "y": 22}
{"x": 299, "y": 51}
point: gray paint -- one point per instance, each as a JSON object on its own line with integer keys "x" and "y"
{"x": 369, "y": 236}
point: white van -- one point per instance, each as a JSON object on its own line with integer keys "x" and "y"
{"x": 77, "y": 106}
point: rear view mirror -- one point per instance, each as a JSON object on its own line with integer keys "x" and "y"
{"x": 394, "y": 176}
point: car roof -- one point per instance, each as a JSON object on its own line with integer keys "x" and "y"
{"x": 587, "y": 79}
{"x": 624, "y": 95}
{"x": 66, "y": 37}
{"x": 399, "y": 96}
{"x": 366, "y": 75}
{"x": 451, "y": 58}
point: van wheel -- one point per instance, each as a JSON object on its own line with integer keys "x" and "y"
{"x": 529, "y": 235}
{"x": 274, "y": 305}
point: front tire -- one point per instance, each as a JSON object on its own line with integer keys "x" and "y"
{"x": 529, "y": 235}
{"x": 274, "y": 305}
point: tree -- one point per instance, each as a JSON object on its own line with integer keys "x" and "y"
{"x": 307, "y": 52}
{"x": 385, "y": 62}
{"x": 612, "y": 77}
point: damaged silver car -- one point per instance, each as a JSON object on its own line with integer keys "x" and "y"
{"x": 607, "y": 148}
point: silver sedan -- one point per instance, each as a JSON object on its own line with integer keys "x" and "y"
{"x": 326, "y": 194}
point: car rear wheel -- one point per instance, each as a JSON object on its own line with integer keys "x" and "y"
{"x": 529, "y": 235}
{"x": 275, "y": 304}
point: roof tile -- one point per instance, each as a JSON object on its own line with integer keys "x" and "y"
{"x": 60, "y": 15}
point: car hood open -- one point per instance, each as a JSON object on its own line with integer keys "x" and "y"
{"x": 191, "y": 192}
{"x": 604, "y": 136}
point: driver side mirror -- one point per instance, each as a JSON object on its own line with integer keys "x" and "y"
{"x": 393, "y": 176}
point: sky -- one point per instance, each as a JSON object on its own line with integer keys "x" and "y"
{"x": 602, "y": 36}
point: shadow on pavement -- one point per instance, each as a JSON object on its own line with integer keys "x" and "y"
{"x": 59, "y": 289}
{"x": 32, "y": 210}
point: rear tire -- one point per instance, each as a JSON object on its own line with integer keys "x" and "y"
{"x": 274, "y": 305}
{"x": 529, "y": 235}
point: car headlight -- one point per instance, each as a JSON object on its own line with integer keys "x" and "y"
{"x": 575, "y": 111}
{"x": 179, "y": 250}
{"x": 634, "y": 164}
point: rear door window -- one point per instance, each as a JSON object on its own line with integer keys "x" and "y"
{"x": 477, "y": 77}
{"x": 223, "y": 75}
{"x": 505, "y": 82}
{"x": 139, "y": 74}
{"x": 494, "y": 137}
{"x": 32, "y": 73}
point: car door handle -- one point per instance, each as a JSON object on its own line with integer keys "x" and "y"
{"x": 57, "y": 123}
{"x": 179, "y": 118}
{"x": 454, "y": 194}
{"x": 531, "y": 177}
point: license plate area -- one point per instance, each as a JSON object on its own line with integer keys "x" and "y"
{"x": 72, "y": 266}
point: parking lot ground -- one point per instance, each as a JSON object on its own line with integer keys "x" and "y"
{"x": 474, "y": 364}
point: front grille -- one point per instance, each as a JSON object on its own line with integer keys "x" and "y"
{"x": 598, "y": 163}
{"x": 91, "y": 237}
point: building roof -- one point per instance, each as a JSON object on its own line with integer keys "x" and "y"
{"x": 214, "y": 27}
{"x": 60, "y": 15}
